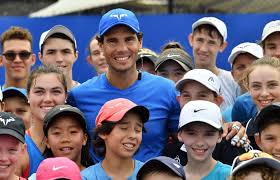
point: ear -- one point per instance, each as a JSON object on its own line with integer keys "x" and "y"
{"x": 103, "y": 136}
{"x": 220, "y": 138}
{"x": 178, "y": 98}
{"x": 47, "y": 143}
{"x": 40, "y": 56}
{"x": 219, "y": 100}
{"x": 85, "y": 138}
{"x": 76, "y": 54}
{"x": 179, "y": 135}
{"x": 223, "y": 46}
{"x": 33, "y": 59}
{"x": 190, "y": 38}
{"x": 258, "y": 140}
{"x": 89, "y": 60}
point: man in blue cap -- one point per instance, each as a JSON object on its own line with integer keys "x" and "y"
{"x": 120, "y": 39}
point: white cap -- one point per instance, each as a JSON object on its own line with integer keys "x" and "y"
{"x": 204, "y": 77}
{"x": 246, "y": 47}
{"x": 201, "y": 111}
{"x": 1, "y": 94}
{"x": 271, "y": 27}
{"x": 217, "y": 23}
{"x": 57, "y": 29}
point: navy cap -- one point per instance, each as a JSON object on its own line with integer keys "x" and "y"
{"x": 269, "y": 112}
{"x": 13, "y": 91}
{"x": 116, "y": 17}
{"x": 170, "y": 163}
{"x": 12, "y": 125}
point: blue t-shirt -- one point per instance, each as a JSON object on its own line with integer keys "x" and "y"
{"x": 220, "y": 172}
{"x": 96, "y": 172}
{"x": 244, "y": 108}
{"x": 35, "y": 155}
{"x": 155, "y": 93}
{"x": 227, "y": 114}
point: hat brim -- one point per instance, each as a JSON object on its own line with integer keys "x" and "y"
{"x": 14, "y": 93}
{"x": 271, "y": 31}
{"x": 115, "y": 24}
{"x": 184, "y": 66}
{"x": 270, "y": 162}
{"x": 65, "y": 112}
{"x": 206, "y": 121}
{"x": 13, "y": 133}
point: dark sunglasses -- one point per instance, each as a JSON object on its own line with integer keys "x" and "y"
{"x": 11, "y": 55}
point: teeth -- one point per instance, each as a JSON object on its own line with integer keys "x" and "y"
{"x": 128, "y": 145}
{"x": 121, "y": 58}
{"x": 4, "y": 166}
{"x": 47, "y": 108}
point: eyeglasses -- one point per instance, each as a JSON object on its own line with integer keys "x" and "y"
{"x": 11, "y": 55}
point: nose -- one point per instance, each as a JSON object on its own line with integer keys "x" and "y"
{"x": 3, "y": 156}
{"x": 65, "y": 137}
{"x": 264, "y": 92}
{"x": 122, "y": 46}
{"x": 59, "y": 58}
{"x": 203, "y": 47}
{"x": 47, "y": 97}
{"x": 132, "y": 133}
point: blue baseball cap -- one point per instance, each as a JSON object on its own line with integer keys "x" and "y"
{"x": 116, "y": 17}
{"x": 13, "y": 91}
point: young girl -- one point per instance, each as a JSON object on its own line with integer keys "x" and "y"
{"x": 118, "y": 135}
{"x": 263, "y": 83}
{"x": 46, "y": 87}
{"x": 66, "y": 136}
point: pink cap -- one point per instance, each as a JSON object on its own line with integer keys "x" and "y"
{"x": 58, "y": 167}
{"x": 114, "y": 110}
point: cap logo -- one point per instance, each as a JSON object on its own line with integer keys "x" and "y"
{"x": 118, "y": 16}
{"x": 211, "y": 79}
{"x": 172, "y": 55}
{"x": 58, "y": 168}
{"x": 6, "y": 121}
{"x": 176, "y": 165}
{"x": 62, "y": 108}
{"x": 197, "y": 110}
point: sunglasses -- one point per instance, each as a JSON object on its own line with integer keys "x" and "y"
{"x": 11, "y": 55}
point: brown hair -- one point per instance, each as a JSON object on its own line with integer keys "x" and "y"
{"x": 210, "y": 29}
{"x": 265, "y": 61}
{"x": 16, "y": 32}
{"x": 266, "y": 173}
{"x": 46, "y": 69}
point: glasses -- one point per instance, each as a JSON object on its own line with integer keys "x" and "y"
{"x": 11, "y": 55}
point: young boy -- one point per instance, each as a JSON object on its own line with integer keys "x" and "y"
{"x": 202, "y": 84}
{"x": 208, "y": 38}
{"x": 255, "y": 165}
{"x": 266, "y": 127}
{"x": 12, "y": 146}
{"x": 200, "y": 129}
{"x": 16, "y": 102}
{"x": 161, "y": 168}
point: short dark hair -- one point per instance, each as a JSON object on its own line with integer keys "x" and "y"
{"x": 61, "y": 36}
{"x": 101, "y": 38}
{"x": 210, "y": 29}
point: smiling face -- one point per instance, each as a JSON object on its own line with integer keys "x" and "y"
{"x": 171, "y": 70}
{"x": 17, "y": 69}
{"x": 125, "y": 138}
{"x": 269, "y": 140}
{"x": 120, "y": 48}
{"x": 206, "y": 48}
{"x": 200, "y": 140}
{"x": 96, "y": 57}
{"x": 59, "y": 52}
{"x": 11, "y": 151}
{"x": 66, "y": 138}
{"x": 271, "y": 45}
{"x": 46, "y": 91}
{"x": 264, "y": 85}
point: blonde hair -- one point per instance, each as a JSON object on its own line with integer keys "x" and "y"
{"x": 265, "y": 61}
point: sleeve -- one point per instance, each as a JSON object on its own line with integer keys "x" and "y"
{"x": 238, "y": 111}
{"x": 174, "y": 111}
{"x": 71, "y": 99}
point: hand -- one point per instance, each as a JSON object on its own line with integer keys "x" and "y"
{"x": 235, "y": 132}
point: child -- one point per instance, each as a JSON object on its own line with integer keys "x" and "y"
{"x": 200, "y": 128}
{"x": 16, "y": 102}
{"x": 66, "y": 136}
{"x": 163, "y": 168}
{"x": 266, "y": 127}
{"x": 58, "y": 168}
{"x": 12, "y": 146}
{"x": 263, "y": 83}
{"x": 255, "y": 165}
{"x": 202, "y": 84}
{"x": 118, "y": 135}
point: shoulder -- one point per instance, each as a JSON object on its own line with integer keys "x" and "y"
{"x": 91, "y": 170}
{"x": 223, "y": 168}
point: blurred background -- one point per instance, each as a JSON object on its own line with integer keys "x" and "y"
{"x": 160, "y": 20}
